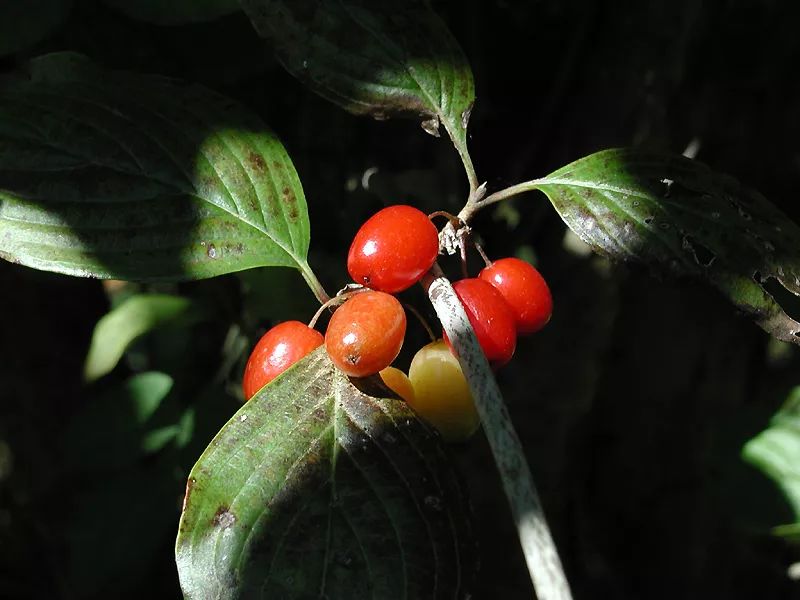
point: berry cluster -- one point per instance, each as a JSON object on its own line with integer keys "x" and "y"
{"x": 390, "y": 252}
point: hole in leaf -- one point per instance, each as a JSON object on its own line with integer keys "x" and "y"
{"x": 790, "y": 303}
{"x": 648, "y": 220}
{"x": 702, "y": 255}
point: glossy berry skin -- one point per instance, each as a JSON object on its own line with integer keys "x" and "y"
{"x": 491, "y": 318}
{"x": 441, "y": 393}
{"x": 398, "y": 382}
{"x": 276, "y": 351}
{"x": 365, "y": 333}
{"x": 525, "y": 291}
{"x": 393, "y": 249}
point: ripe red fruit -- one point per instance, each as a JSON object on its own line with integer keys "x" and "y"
{"x": 393, "y": 249}
{"x": 366, "y": 333}
{"x": 276, "y": 351}
{"x": 525, "y": 291}
{"x": 491, "y": 318}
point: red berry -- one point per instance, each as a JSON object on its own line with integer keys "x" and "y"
{"x": 366, "y": 333}
{"x": 276, "y": 351}
{"x": 491, "y": 318}
{"x": 393, "y": 249}
{"x": 524, "y": 289}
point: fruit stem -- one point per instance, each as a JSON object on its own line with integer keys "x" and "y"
{"x": 313, "y": 282}
{"x": 474, "y": 204}
{"x": 338, "y": 299}
{"x": 422, "y": 320}
{"x": 544, "y": 565}
{"x": 485, "y": 258}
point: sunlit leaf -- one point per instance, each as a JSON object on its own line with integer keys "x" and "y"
{"x": 676, "y": 215}
{"x": 317, "y": 489}
{"x": 384, "y": 59}
{"x": 116, "y": 175}
{"x": 134, "y": 317}
{"x": 776, "y": 452}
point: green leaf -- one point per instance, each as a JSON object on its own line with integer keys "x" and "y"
{"x": 776, "y": 452}
{"x": 118, "y": 427}
{"x": 174, "y": 12}
{"x": 383, "y": 59}
{"x": 116, "y": 175}
{"x": 317, "y": 489}
{"x": 676, "y": 215}
{"x": 134, "y": 317}
{"x": 24, "y": 23}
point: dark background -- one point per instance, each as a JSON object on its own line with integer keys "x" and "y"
{"x": 633, "y": 404}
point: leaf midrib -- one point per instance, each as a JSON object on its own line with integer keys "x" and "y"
{"x": 190, "y": 189}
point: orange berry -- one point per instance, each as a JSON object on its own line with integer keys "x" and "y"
{"x": 365, "y": 333}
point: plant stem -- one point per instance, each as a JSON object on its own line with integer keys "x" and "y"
{"x": 474, "y": 205}
{"x": 338, "y": 299}
{"x": 460, "y": 143}
{"x": 544, "y": 565}
{"x": 313, "y": 282}
{"x": 466, "y": 159}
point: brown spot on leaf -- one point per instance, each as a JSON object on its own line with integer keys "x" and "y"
{"x": 291, "y": 202}
{"x": 223, "y": 518}
{"x": 256, "y": 161}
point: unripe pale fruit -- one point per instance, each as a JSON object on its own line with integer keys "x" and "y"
{"x": 441, "y": 393}
{"x": 365, "y": 333}
{"x": 276, "y": 351}
{"x": 398, "y": 382}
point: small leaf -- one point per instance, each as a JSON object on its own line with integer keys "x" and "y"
{"x": 776, "y": 452}
{"x": 115, "y": 175}
{"x": 134, "y": 317}
{"x": 23, "y": 24}
{"x": 117, "y": 428}
{"x": 675, "y": 214}
{"x": 174, "y": 12}
{"x": 381, "y": 59}
{"x": 317, "y": 489}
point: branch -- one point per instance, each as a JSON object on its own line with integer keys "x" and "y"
{"x": 540, "y": 552}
